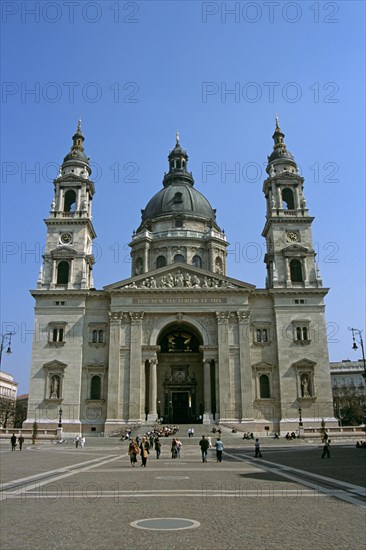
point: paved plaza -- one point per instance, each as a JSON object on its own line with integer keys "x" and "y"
{"x": 57, "y": 496}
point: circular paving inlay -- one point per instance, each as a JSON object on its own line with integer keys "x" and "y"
{"x": 165, "y": 524}
{"x": 172, "y": 477}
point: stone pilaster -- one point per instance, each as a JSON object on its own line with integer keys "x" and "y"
{"x": 223, "y": 400}
{"x": 245, "y": 366}
{"x": 135, "y": 397}
{"x": 207, "y": 415}
{"x": 113, "y": 399}
{"x": 152, "y": 416}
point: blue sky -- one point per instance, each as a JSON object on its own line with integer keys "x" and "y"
{"x": 217, "y": 71}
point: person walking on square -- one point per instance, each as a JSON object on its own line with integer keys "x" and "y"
{"x": 219, "y": 448}
{"x": 20, "y": 441}
{"x": 326, "y": 451}
{"x": 13, "y": 441}
{"x": 204, "y": 444}
{"x": 157, "y": 447}
{"x": 133, "y": 451}
{"x": 145, "y": 451}
{"x": 174, "y": 449}
{"x": 76, "y": 441}
{"x": 257, "y": 449}
{"x": 179, "y": 447}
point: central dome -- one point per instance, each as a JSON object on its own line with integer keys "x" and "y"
{"x": 178, "y": 195}
{"x": 178, "y": 198}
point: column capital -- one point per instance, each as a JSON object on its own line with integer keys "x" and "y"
{"x": 222, "y": 317}
{"x": 115, "y": 318}
{"x": 243, "y": 316}
{"x": 136, "y": 317}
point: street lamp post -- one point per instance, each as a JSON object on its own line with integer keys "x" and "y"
{"x": 60, "y": 428}
{"x": 357, "y": 332}
{"x": 300, "y": 422}
{"x": 60, "y": 418}
{"x": 5, "y": 341}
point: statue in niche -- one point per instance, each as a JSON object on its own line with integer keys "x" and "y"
{"x": 305, "y": 386}
{"x": 55, "y": 385}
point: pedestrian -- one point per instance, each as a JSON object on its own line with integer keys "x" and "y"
{"x": 13, "y": 441}
{"x": 179, "y": 447}
{"x": 189, "y": 432}
{"x": 219, "y": 448}
{"x": 209, "y": 441}
{"x": 133, "y": 451}
{"x": 257, "y": 449}
{"x": 144, "y": 448}
{"x": 82, "y": 442}
{"x": 76, "y": 441}
{"x": 20, "y": 441}
{"x": 157, "y": 447}
{"x": 326, "y": 451}
{"x": 138, "y": 440}
{"x": 204, "y": 447}
{"x": 174, "y": 448}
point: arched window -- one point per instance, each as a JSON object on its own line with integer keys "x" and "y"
{"x": 70, "y": 201}
{"x": 179, "y": 258}
{"x": 160, "y": 261}
{"x": 95, "y": 387}
{"x": 264, "y": 335}
{"x": 264, "y": 386}
{"x": 295, "y": 271}
{"x": 288, "y": 202}
{"x": 63, "y": 270}
{"x": 218, "y": 265}
{"x": 258, "y": 335}
{"x": 95, "y": 337}
{"x": 197, "y": 261}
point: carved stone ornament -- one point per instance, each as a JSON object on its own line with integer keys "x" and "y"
{"x": 181, "y": 280}
{"x": 222, "y": 317}
{"x": 136, "y": 316}
{"x": 115, "y": 318}
{"x": 243, "y": 316}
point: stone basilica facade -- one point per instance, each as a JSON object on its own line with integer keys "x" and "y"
{"x": 179, "y": 339}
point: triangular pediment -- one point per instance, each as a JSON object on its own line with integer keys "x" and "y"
{"x": 179, "y": 277}
{"x": 55, "y": 364}
{"x": 294, "y": 248}
{"x": 304, "y": 363}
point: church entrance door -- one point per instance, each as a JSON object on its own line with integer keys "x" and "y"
{"x": 180, "y": 402}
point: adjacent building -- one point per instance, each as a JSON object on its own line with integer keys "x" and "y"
{"x": 180, "y": 339}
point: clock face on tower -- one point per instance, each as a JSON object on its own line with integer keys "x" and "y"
{"x": 292, "y": 237}
{"x": 66, "y": 238}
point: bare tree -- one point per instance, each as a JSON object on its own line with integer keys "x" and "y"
{"x": 7, "y": 412}
{"x": 349, "y": 405}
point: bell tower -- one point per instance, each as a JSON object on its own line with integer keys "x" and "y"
{"x": 290, "y": 257}
{"x": 68, "y": 258}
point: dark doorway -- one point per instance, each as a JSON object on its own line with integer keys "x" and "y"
{"x": 180, "y": 402}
